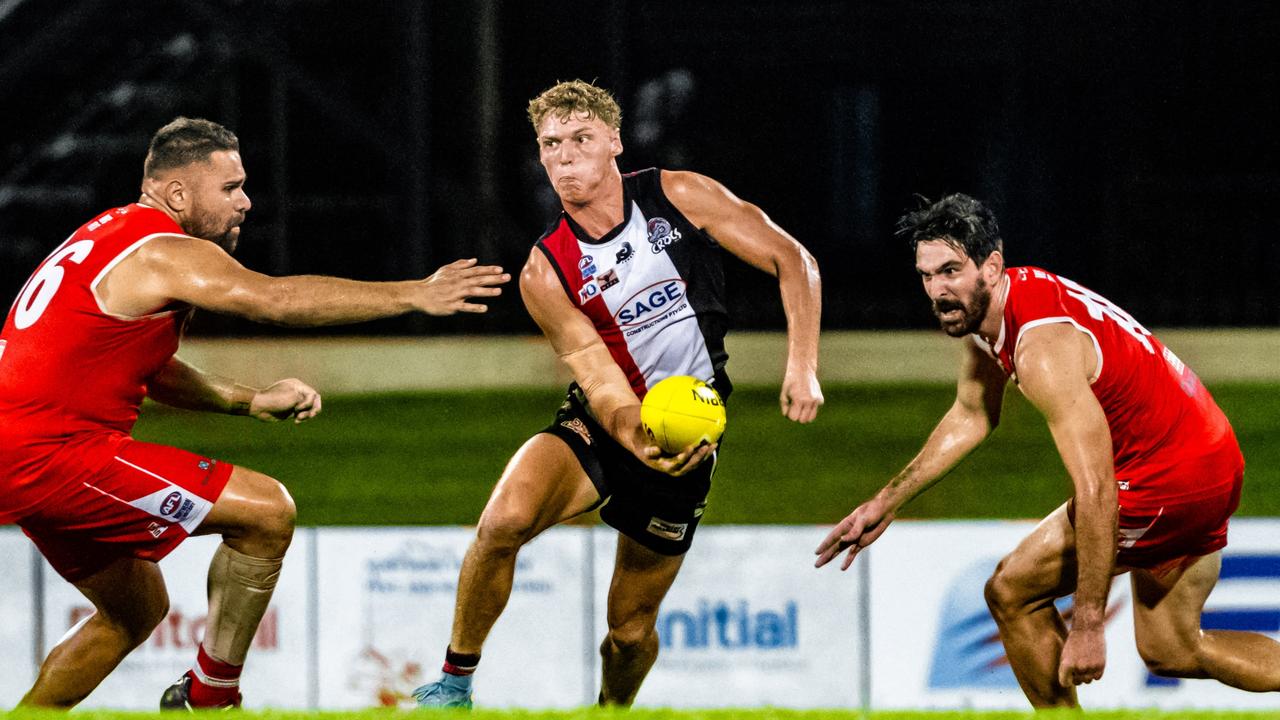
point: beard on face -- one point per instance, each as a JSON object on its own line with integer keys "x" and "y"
{"x": 973, "y": 312}
{"x": 207, "y": 226}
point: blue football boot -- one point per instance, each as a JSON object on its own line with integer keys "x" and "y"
{"x": 450, "y": 691}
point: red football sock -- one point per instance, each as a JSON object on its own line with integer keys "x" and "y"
{"x": 214, "y": 682}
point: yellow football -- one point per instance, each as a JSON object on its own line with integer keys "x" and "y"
{"x": 681, "y": 411}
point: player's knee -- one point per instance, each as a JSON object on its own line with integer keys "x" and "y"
{"x": 142, "y": 618}
{"x": 633, "y": 633}
{"x": 994, "y": 593}
{"x": 1169, "y": 662}
{"x": 502, "y": 533}
{"x": 275, "y": 520}
{"x": 1002, "y": 593}
{"x": 1169, "y": 655}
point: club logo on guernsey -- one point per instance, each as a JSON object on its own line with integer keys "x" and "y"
{"x": 651, "y": 302}
{"x": 624, "y": 253}
{"x": 661, "y": 234}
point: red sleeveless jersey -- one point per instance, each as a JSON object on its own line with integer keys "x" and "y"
{"x": 1163, "y": 421}
{"x": 72, "y": 375}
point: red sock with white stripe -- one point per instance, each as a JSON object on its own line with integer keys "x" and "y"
{"x": 213, "y": 682}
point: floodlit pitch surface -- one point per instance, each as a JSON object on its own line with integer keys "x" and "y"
{"x": 432, "y": 458}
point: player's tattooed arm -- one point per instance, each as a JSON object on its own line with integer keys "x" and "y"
{"x": 747, "y": 232}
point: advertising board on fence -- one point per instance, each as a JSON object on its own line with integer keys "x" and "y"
{"x": 749, "y": 622}
{"x": 386, "y": 599}
{"x": 934, "y": 644}
{"x": 19, "y": 610}
{"x": 362, "y": 615}
{"x": 275, "y": 673}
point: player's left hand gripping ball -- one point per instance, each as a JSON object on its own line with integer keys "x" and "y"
{"x": 682, "y": 411}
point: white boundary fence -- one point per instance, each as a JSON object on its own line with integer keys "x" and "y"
{"x": 362, "y": 616}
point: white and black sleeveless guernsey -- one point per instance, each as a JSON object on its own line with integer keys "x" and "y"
{"x": 653, "y": 287}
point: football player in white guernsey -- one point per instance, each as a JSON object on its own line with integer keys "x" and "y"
{"x": 597, "y": 451}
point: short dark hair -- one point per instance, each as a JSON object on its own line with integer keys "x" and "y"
{"x": 957, "y": 220}
{"x": 184, "y": 141}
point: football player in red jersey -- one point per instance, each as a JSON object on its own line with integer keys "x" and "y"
{"x": 627, "y": 285}
{"x": 95, "y": 330}
{"x": 1155, "y": 465}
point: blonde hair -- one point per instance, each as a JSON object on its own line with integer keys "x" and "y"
{"x": 575, "y": 97}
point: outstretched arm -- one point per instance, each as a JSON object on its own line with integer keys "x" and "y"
{"x": 1054, "y": 364}
{"x": 972, "y": 417}
{"x": 744, "y": 230}
{"x": 177, "y": 268}
{"x": 185, "y": 386}
{"x": 613, "y": 403}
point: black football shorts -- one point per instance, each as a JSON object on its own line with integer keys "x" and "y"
{"x": 657, "y": 510}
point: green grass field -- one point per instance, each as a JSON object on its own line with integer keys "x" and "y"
{"x": 432, "y": 458}
{"x": 647, "y": 714}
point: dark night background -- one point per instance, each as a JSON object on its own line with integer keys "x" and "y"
{"x": 1129, "y": 145}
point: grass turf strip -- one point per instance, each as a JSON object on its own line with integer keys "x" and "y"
{"x": 432, "y": 458}
{"x": 661, "y": 714}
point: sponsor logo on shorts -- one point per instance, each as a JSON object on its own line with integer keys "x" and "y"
{"x": 668, "y": 530}
{"x": 184, "y": 512}
{"x": 624, "y": 253}
{"x": 661, "y": 235}
{"x": 171, "y": 503}
{"x": 156, "y": 529}
{"x": 204, "y": 464}
{"x": 697, "y": 512}
{"x": 579, "y": 427}
{"x": 608, "y": 280}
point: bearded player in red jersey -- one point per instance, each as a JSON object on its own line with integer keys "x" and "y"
{"x": 1155, "y": 465}
{"x": 94, "y": 331}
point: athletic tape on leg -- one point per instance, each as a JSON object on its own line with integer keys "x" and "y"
{"x": 240, "y": 587}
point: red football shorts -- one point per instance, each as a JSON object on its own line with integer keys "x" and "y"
{"x": 1167, "y": 537}
{"x": 143, "y": 503}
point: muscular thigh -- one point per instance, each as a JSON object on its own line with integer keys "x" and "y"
{"x": 1167, "y": 605}
{"x": 543, "y": 484}
{"x": 141, "y": 501}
